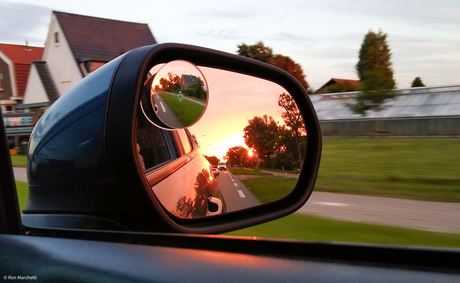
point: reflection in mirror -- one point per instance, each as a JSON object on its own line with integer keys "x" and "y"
{"x": 246, "y": 150}
{"x": 177, "y": 94}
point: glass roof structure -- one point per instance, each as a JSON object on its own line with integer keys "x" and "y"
{"x": 411, "y": 102}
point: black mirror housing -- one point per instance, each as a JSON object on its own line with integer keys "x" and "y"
{"x": 82, "y": 161}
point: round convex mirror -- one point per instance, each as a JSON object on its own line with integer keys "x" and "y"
{"x": 175, "y": 96}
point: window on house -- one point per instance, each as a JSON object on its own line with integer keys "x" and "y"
{"x": 56, "y": 37}
{"x": 1, "y": 81}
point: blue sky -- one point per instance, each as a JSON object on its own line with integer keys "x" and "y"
{"x": 323, "y": 36}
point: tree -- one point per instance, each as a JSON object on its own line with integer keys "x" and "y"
{"x": 262, "y": 135}
{"x": 196, "y": 90}
{"x": 257, "y": 51}
{"x": 265, "y": 54}
{"x": 417, "y": 82}
{"x": 375, "y": 73}
{"x": 294, "y": 121}
{"x": 213, "y": 160}
{"x": 293, "y": 68}
{"x": 172, "y": 83}
{"x": 237, "y": 155}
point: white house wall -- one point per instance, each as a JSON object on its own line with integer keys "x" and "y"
{"x": 35, "y": 91}
{"x": 59, "y": 59}
{"x": 7, "y": 60}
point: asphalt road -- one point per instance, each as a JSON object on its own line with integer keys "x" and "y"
{"x": 425, "y": 215}
{"x": 236, "y": 195}
{"x": 165, "y": 113}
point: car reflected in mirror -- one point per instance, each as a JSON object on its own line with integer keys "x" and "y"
{"x": 221, "y": 164}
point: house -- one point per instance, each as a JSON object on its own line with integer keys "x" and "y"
{"x": 346, "y": 85}
{"x": 15, "y": 63}
{"x": 76, "y": 46}
{"x": 187, "y": 80}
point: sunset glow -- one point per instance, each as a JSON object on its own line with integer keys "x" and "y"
{"x": 233, "y": 100}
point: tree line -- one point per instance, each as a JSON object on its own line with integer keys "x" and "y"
{"x": 173, "y": 84}
{"x": 273, "y": 145}
{"x": 374, "y": 69}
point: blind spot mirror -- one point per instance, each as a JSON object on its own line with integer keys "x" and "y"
{"x": 175, "y": 95}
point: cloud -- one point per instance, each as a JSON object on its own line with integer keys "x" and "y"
{"x": 417, "y": 12}
{"x": 231, "y": 14}
{"x": 337, "y": 53}
{"x": 20, "y": 22}
{"x": 292, "y": 38}
{"x": 224, "y": 34}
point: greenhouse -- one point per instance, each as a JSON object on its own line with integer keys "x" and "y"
{"x": 415, "y": 112}
{"x": 412, "y": 102}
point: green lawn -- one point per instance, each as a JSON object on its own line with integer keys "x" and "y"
{"x": 187, "y": 112}
{"x": 268, "y": 189}
{"x": 19, "y": 160}
{"x": 295, "y": 171}
{"x": 312, "y": 228}
{"x": 426, "y": 169}
{"x": 242, "y": 171}
{"x": 23, "y": 193}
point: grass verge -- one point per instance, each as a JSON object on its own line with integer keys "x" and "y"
{"x": 241, "y": 171}
{"x": 19, "y": 160}
{"x": 425, "y": 169}
{"x": 296, "y": 171}
{"x": 23, "y": 193}
{"x": 268, "y": 189}
{"x": 312, "y": 228}
{"x": 187, "y": 112}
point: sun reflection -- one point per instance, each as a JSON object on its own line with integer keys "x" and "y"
{"x": 233, "y": 100}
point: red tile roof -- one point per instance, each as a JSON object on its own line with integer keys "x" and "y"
{"x": 102, "y": 39}
{"x": 341, "y": 81}
{"x": 22, "y": 56}
{"x": 334, "y": 81}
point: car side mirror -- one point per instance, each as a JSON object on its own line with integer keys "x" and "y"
{"x": 115, "y": 153}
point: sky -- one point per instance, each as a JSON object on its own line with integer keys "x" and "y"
{"x": 233, "y": 100}
{"x": 323, "y": 36}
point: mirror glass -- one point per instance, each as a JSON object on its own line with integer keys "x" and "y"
{"x": 245, "y": 151}
{"x": 178, "y": 94}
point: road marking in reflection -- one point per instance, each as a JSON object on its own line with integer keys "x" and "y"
{"x": 236, "y": 185}
{"x": 162, "y": 107}
{"x": 241, "y": 194}
{"x": 332, "y": 203}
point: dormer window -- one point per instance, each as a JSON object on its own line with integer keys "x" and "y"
{"x": 56, "y": 37}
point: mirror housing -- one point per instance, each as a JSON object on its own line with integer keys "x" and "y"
{"x": 82, "y": 161}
